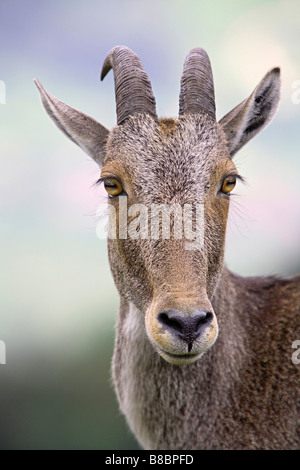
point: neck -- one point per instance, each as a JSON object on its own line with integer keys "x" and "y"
{"x": 146, "y": 383}
{"x": 229, "y": 349}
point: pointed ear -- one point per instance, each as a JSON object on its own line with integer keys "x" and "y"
{"x": 254, "y": 113}
{"x": 80, "y": 128}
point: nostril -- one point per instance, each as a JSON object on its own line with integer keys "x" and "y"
{"x": 204, "y": 318}
{"x": 186, "y": 327}
{"x": 168, "y": 320}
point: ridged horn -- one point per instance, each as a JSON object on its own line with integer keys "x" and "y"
{"x": 197, "y": 93}
{"x": 132, "y": 85}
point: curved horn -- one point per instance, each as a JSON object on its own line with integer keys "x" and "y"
{"x": 132, "y": 85}
{"x": 197, "y": 87}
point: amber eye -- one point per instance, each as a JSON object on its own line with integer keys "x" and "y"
{"x": 228, "y": 184}
{"x": 113, "y": 187}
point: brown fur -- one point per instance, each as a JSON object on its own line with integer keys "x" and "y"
{"x": 234, "y": 386}
{"x": 244, "y": 392}
{"x": 168, "y": 126}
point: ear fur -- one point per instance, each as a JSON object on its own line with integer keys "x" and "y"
{"x": 90, "y": 135}
{"x": 253, "y": 114}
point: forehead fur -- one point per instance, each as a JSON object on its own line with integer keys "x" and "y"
{"x": 166, "y": 158}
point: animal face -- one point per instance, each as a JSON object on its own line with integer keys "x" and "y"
{"x": 169, "y": 184}
{"x": 175, "y": 164}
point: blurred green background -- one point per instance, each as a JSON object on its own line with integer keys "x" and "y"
{"x": 58, "y": 304}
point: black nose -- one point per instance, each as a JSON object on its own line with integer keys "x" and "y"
{"x": 187, "y": 328}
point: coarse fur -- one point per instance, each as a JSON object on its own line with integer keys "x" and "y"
{"x": 242, "y": 394}
{"x": 229, "y": 383}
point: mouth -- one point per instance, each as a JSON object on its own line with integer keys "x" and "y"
{"x": 180, "y": 358}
